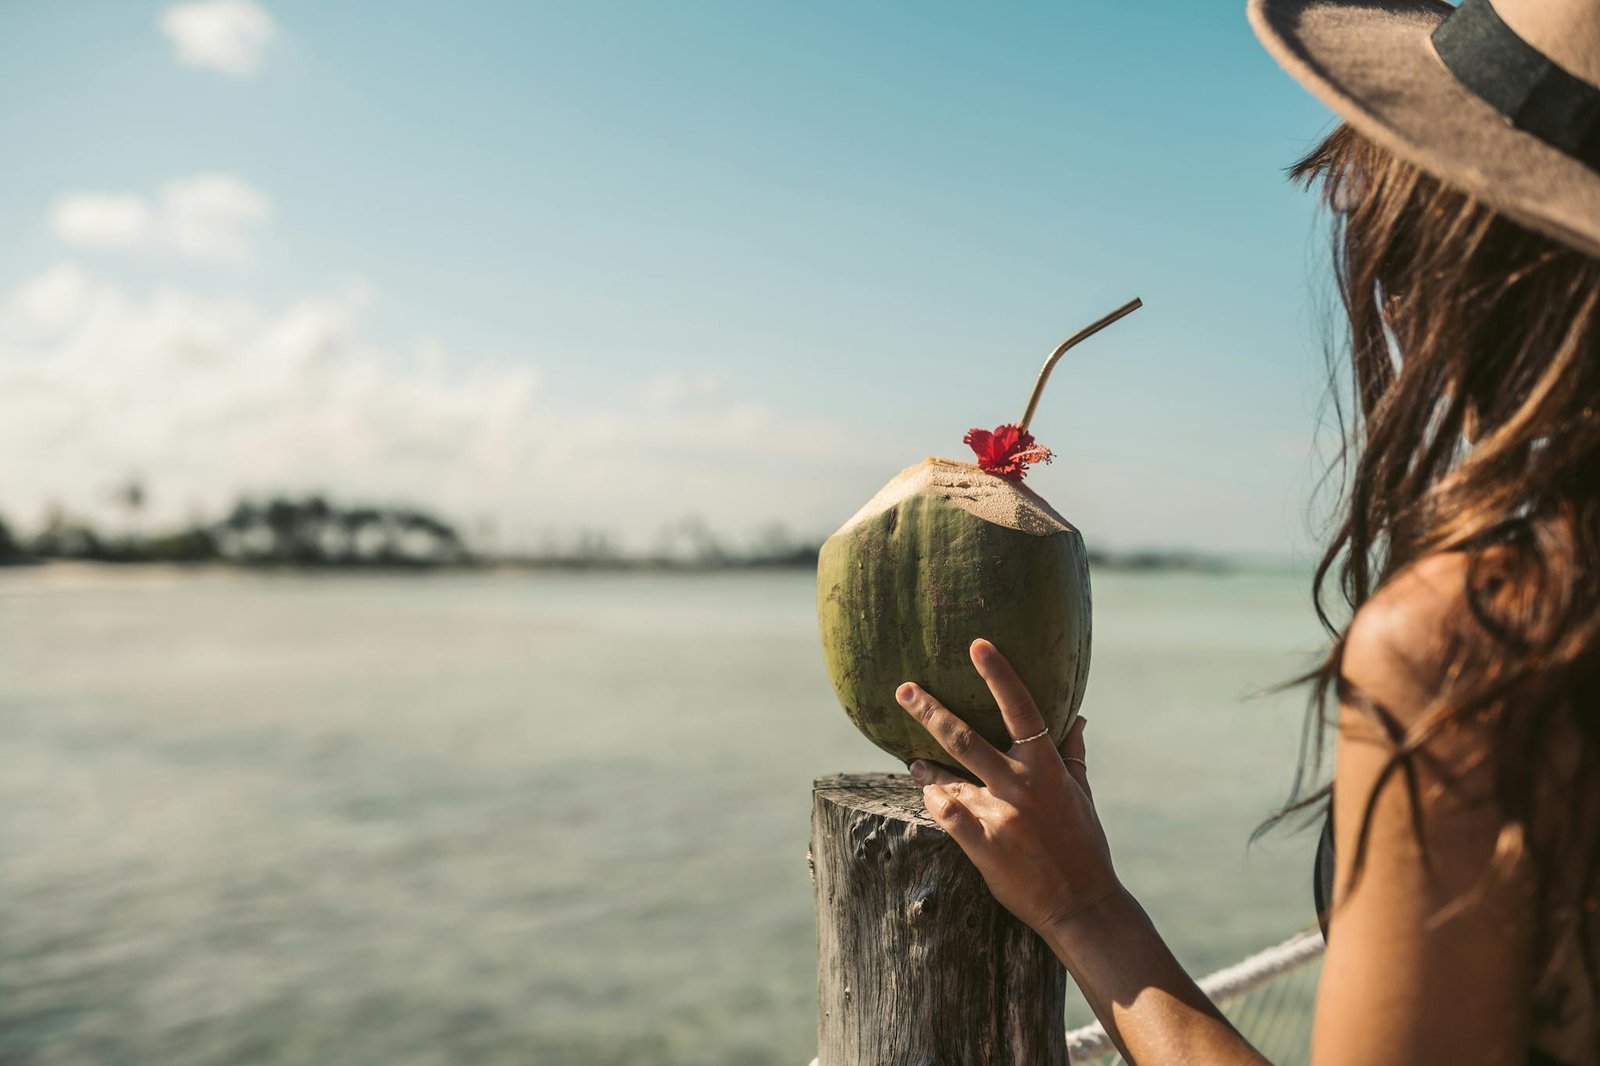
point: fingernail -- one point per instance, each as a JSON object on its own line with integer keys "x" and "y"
{"x": 919, "y": 770}
{"x": 906, "y": 693}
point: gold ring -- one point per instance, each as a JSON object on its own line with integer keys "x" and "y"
{"x": 1036, "y": 736}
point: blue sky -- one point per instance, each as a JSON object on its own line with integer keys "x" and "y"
{"x": 562, "y": 266}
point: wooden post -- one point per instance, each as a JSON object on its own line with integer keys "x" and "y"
{"x": 917, "y": 965}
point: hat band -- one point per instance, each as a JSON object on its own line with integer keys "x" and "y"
{"x": 1519, "y": 81}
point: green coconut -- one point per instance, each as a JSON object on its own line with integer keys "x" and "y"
{"x": 943, "y": 554}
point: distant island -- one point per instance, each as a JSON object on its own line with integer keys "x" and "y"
{"x": 312, "y": 533}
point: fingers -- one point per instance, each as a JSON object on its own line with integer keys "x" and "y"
{"x": 953, "y": 735}
{"x": 973, "y": 798}
{"x": 1016, "y": 704}
{"x": 1075, "y": 754}
{"x": 924, "y": 772}
{"x": 952, "y": 815}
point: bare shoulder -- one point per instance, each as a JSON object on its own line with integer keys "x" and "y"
{"x": 1398, "y": 648}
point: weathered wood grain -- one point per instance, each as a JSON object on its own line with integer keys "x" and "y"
{"x": 917, "y": 965}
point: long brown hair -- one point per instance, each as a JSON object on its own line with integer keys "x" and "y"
{"x": 1470, "y": 422}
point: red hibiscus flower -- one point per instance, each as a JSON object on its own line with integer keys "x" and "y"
{"x": 1006, "y": 452}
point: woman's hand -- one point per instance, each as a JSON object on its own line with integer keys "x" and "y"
{"x": 1031, "y": 828}
{"x": 1032, "y": 832}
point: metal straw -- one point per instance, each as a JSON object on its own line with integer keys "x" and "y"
{"x": 1082, "y": 335}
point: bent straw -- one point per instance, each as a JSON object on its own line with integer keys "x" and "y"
{"x": 1082, "y": 335}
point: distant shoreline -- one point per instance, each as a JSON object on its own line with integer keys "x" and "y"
{"x": 312, "y": 534}
{"x": 1132, "y": 562}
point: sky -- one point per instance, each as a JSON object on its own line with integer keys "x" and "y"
{"x": 556, "y": 268}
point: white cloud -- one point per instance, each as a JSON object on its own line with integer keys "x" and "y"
{"x": 104, "y": 220}
{"x": 207, "y": 398}
{"x": 48, "y": 303}
{"x": 209, "y": 216}
{"x": 228, "y": 36}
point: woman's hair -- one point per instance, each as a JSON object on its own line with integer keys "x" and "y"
{"x": 1470, "y": 424}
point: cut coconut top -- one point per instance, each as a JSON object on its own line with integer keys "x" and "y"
{"x": 983, "y": 495}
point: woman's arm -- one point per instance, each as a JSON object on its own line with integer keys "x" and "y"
{"x": 1413, "y": 975}
{"x": 1147, "y": 1002}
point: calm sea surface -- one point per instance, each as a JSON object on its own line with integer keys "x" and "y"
{"x": 553, "y": 819}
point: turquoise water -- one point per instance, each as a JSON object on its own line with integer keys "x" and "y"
{"x": 554, "y": 819}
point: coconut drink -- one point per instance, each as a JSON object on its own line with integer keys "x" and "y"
{"x": 945, "y": 553}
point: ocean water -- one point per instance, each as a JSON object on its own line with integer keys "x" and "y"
{"x": 530, "y": 818}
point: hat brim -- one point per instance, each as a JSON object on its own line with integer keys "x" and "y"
{"x": 1373, "y": 63}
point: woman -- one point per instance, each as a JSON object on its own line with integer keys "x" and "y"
{"x": 1464, "y": 805}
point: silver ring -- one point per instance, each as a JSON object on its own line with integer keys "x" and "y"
{"x": 1036, "y": 736}
{"x": 1080, "y": 762}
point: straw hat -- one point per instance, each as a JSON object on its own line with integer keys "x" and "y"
{"x": 1500, "y": 99}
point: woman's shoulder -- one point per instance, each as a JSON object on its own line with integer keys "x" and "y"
{"x": 1399, "y": 646}
{"x": 1443, "y": 612}
{"x": 1431, "y": 642}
